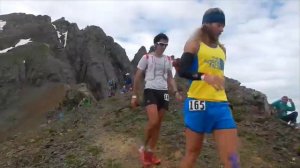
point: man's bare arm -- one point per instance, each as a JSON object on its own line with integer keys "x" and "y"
{"x": 137, "y": 78}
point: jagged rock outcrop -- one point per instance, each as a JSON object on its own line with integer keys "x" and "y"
{"x": 142, "y": 51}
{"x": 21, "y": 26}
{"x": 76, "y": 95}
{"x": 58, "y": 52}
{"x": 245, "y": 99}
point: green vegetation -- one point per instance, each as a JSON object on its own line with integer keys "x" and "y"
{"x": 112, "y": 163}
{"x": 72, "y": 160}
{"x": 109, "y": 134}
{"x": 95, "y": 150}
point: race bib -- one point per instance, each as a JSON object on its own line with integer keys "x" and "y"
{"x": 196, "y": 105}
{"x": 166, "y": 97}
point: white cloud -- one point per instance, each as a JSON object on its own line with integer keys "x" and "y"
{"x": 261, "y": 37}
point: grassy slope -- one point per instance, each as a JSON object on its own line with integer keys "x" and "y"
{"x": 109, "y": 134}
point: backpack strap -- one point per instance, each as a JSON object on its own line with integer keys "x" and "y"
{"x": 169, "y": 58}
{"x": 147, "y": 58}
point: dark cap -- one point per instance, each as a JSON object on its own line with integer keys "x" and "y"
{"x": 214, "y": 15}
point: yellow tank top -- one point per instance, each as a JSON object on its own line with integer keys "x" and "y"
{"x": 209, "y": 61}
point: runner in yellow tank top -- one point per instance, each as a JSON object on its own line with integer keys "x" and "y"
{"x": 206, "y": 109}
{"x": 210, "y": 61}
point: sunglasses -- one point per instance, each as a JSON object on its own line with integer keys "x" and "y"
{"x": 162, "y": 44}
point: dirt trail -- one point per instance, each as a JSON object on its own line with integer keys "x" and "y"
{"x": 45, "y": 101}
{"x": 33, "y": 107}
{"x": 121, "y": 132}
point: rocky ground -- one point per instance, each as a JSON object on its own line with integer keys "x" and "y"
{"x": 109, "y": 133}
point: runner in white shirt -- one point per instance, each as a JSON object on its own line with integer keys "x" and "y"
{"x": 157, "y": 69}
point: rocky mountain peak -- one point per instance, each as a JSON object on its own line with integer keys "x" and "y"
{"x": 58, "y": 52}
{"x": 142, "y": 51}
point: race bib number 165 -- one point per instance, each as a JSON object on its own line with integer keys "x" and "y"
{"x": 196, "y": 105}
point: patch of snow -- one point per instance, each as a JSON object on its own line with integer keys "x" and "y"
{"x": 66, "y": 36}
{"x": 54, "y": 26}
{"x": 5, "y": 50}
{"x": 57, "y": 32}
{"x": 23, "y": 42}
{"x": 58, "y": 36}
{"x": 2, "y": 24}
{"x": 20, "y": 43}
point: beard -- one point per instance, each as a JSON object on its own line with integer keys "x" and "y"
{"x": 210, "y": 34}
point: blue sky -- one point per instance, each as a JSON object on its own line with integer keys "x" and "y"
{"x": 261, "y": 36}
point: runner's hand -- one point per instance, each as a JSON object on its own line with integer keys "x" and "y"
{"x": 134, "y": 102}
{"x": 215, "y": 81}
{"x": 178, "y": 96}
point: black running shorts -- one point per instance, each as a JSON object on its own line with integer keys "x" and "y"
{"x": 158, "y": 97}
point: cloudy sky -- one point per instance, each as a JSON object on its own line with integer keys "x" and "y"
{"x": 261, "y": 36}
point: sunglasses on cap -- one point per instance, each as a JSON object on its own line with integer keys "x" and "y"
{"x": 162, "y": 44}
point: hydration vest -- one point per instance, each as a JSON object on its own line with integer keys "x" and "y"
{"x": 151, "y": 67}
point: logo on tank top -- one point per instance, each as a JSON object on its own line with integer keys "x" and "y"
{"x": 215, "y": 63}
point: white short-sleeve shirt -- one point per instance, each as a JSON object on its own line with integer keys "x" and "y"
{"x": 156, "y": 71}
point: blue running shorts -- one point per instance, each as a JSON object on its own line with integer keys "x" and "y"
{"x": 205, "y": 116}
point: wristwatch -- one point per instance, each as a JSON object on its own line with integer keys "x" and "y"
{"x": 202, "y": 77}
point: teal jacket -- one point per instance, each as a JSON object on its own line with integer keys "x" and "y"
{"x": 282, "y": 108}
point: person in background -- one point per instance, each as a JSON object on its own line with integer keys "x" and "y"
{"x": 128, "y": 82}
{"x": 281, "y": 106}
